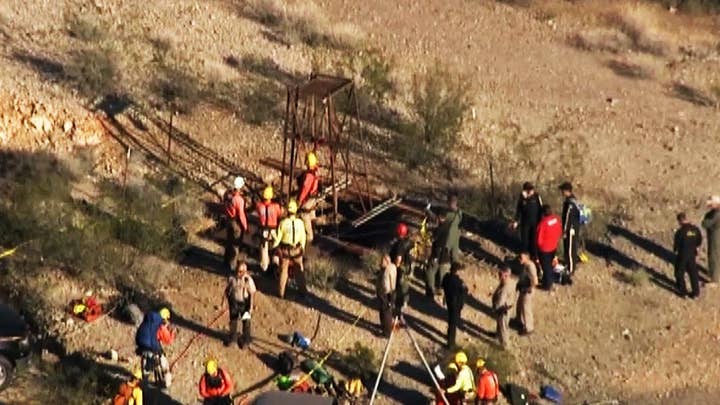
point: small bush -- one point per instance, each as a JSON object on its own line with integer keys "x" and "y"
{"x": 94, "y": 71}
{"x": 371, "y": 262}
{"x": 177, "y": 89}
{"x": 635, "y": 278}
{"x": 324, "y": 272}
{"x": 81, "y": 28}
{"x": 641, "y": 24}
{"x": 360, "y": 361}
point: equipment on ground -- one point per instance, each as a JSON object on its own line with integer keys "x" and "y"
{"x": 551, "y": 393}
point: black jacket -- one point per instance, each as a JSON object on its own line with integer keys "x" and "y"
{"x": 529, "y": 210}
{"x": 401, "y": 247}
{"x": 455, "y": 290}
{"x": 570, "y": 215}
{"x": 687, "y": 239}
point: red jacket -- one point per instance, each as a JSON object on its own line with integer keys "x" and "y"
{"x": 269, "y": 213}
{"x": 488, "y": 386}
{"x": 225, "y": 385}
{"x": 549, "y": 232}
{"x": 165, "y": 335}
{"x": 309, "y": 188}
{"x": 235, "y": 207}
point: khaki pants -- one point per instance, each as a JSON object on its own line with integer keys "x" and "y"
{"x": 525, "y": 311}
{"x": 307, "y": 214}
{"x": 502, "y": 321}
{"x": 291, "y": 256}
{"x": 265, "y": 239}
{"x": 233, "y": 243}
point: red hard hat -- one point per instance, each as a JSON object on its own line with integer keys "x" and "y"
{"x": 402, "y": 230}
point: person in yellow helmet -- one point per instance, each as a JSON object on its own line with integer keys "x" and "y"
{"x": 465, "y": 381}
{"x": 269, "y": 213}
{"x": 309, "y": 187}
{"x": 215, "y": 385}
{"x": 130, "y": 392}
{"x": 488, "y": 386}
{"x": 291, "y": 238}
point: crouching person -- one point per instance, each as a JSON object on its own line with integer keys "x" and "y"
{"x": 215, "y": 385}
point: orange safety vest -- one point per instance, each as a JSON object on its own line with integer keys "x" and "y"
{"x": 488, "y": 386}
{"x": 269, "y": 213}
{"x": 310, "y": 184}
{"x": 223, "y": 385}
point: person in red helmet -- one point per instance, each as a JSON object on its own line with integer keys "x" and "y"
{"x": 400, "y": 256}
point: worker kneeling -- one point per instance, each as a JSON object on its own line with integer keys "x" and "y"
{"x": 465, "y": 382}
{"x": 130, "y": 392}
{"x": 215, "y": 385}
{"x": 291, "y": 239}
{"x": 151, "y": 335}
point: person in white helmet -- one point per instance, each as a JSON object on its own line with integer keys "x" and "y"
{"x": 235, "y": 222}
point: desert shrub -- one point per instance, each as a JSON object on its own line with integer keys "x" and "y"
{"x": 359, "y": 361}
{"x": 324, "y": 271}
{"x": 93, "y": 71}
{"x": 177, "y": 89}
{"x": 83, "y": 29}
{"x": 601, "y": 39}
{"x": 371, "y": 262}
{"x": 641, "y": 24}
{"x": 635, "y": 278}
{"x": 439, "y": 105}
{"x": 502, "y": 362}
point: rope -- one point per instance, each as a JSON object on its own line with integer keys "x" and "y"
{"x": 382, "y": 365}
{"x": 427, "y": 366}
{"x": 339, "y": 342}
{"x": 183, "y": 352}
{"x": 9, "y": 252}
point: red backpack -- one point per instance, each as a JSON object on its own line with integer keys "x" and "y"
{"x": 124, "y": 394}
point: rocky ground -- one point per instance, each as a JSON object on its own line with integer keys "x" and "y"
{"x": 617, "y": 98}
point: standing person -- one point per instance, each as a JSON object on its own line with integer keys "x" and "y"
{"x": 525, "y": 286}
{"x": 502, "y": 301}
{"x": 446, "y": 244}
{"x": 307, "y": 198}
{"x": 215, "y": 385}
{"x": 385, "y": 286}
{"x": 240, "y": 295}
{"x": 686, "y": 244}
{"x": 130, "y": 392}
{"x": 154, "y": 332}
{"x": 549, "y": 233}
{"x": 571, "y": 228}
{"x": 291, "y": 238}
{"x": 455, "y": 291}
{"x": 464, "y": 386}
{"x": 527, "y": 216}
{"x": 400, "y": 256}
{"x": 488, "y": 386}
{"x": 235, "y": 222}
{"x": 711, "y": 223}
{"x": 269, "y": 213}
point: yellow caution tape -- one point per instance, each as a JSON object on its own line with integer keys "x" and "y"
{"x": 8, "y": 252}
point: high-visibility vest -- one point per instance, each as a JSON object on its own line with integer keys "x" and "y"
{"x": 291, "y": 232}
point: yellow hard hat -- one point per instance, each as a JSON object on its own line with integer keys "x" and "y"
{"x": 137, "y": 373}
{"x": 165, "y": 314}
{"x": 480, "y": 363}
{"x": 268, "y": 193}
{"x": 292, "y": 207}
{"x": 452, "y": 367}
{"x": 311, "y": 160}
{"x": 211, "y": 367}
{"x": 460, "y": 358}
{"x": 79, "y": 309}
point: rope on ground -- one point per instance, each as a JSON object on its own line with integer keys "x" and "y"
{"x": 327, "y": 356}
{"x": 427, "y": 366}
{"x": 382, "y": 365}
{"x": 197, "y": 335}
{"x": 8, "y": 252}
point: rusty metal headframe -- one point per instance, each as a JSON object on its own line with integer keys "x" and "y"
{"x": 314, "y": 123}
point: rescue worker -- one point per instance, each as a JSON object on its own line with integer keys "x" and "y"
{"x": 400, "y": 256}
{"x": 386, "y": 286}
{"x": 502, "y": 301}
{"x": 456, "y": 398}
{"x": 269, "y": 213}
{"x": 711, "y": 223}
{"x": 455, "y": 291}
{"x": 488, "y": 386}
{"x": 153, "y": 333}
{"x": 465, "y": 382}
{"x": 307, "y": 198}
{"x": 215, "y": 385}
{"x": 291, "y": 239}
{"x": 686, "y": 244}
{"x": 240, "y": 295}
{"x": 571, "y": 229}
{"x": 549, "y": 232}
{"x": 130, "y": 392}
{"x": 446, "y": 244}
{"x": 525, "y": 286}
{"x": 235, "y": 222}
{"x": 527, "y": 215}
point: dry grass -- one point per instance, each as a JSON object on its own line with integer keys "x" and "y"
{"x": 642, "y": 24}
{"x": 305, "y": 22}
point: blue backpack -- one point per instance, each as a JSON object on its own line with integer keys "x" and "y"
{"x": 585, "y": 212}
{"x": 551, "y": 394}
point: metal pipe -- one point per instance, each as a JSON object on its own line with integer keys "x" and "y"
{"x": 427, "y": 366}
{"x": 382, "y": 365}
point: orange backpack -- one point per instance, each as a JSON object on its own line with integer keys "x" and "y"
{"x": 124, "y": 395}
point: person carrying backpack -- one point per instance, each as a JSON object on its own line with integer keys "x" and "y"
{"x": 151, "y": 335}
{"x": 240, "y": 295}
{"x": 269, "y": 213}
{"x": 571, "y": 228}
{"x": 130, "y": 392}
{"x": 215, "y": 385}
{"x": 235, "y": 221}
{"x": 291, "y": 238}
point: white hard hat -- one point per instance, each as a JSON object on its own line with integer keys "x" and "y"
{"x": 239, "y": 182}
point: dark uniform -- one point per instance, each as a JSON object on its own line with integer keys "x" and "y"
{"x": 400, "y": 253}
{"x": 445, "y": 251}
{"x": 455, "y": 291}
{"x": 571, "y": 232}
{"x": 687, "y": 240}
{"x": 528, "y": 214}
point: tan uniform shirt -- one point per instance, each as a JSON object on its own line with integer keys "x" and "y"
{"x": 387, "y": 280}
{"x": 530, "y": 275}
{"x": 504, "y": 295}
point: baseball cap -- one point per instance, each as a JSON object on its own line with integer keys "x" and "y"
{"x": 527, "y": 186}
{"x": 566, "y": 186}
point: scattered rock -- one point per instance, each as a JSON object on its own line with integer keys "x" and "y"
{"x": 41, "y": 123}
{"x": 68, "y": 126}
